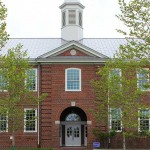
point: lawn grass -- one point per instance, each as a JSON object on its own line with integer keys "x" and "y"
{"x": 31, "y": 148}
{"x": 19, "y": 148}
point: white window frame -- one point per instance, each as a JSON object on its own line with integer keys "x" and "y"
{"x": 138, "y": 86}
{"x": 6, "y": 125}
{"x": 35, "y": 90}
{"x": 110, "y": 123}
{"x": 66, "y": 70}
{"x": 25, "y": 110}
{"x": 139, "y": 129}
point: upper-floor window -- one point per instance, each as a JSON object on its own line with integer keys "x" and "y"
{"x": 144, "y": 120}
{"x": 143, "y": 79}
{"x": 30, "y": 120}
{"x": 73, "y": 79}
{"x": 115, "y": 119}
{"x": 80, "y": 19}
{"x": 3, "y": 122}
{"x": 63, "y": 19}
{"x": 3, "y": 83}
{"x": 72, "y": 16}
{"x": 31, "y": 80}
{"x": 115, "y": 78}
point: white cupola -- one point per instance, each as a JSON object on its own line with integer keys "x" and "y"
{"x": 72, "y": 21}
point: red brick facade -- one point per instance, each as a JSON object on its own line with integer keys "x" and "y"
{"x": 52, "y": 82}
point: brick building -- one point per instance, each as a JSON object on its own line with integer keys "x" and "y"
{"x": 63, "y": 69}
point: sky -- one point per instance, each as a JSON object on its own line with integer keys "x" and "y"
{"x": 42, "y": 18}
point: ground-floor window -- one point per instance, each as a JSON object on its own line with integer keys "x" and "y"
{"x": 115, "y": 119}
{"x": 3, "y": 123}
{"x": 30, "y": 120}
{"x": 144, "y": 120}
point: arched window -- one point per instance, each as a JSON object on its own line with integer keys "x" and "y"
{"x": 73, "y": 117}
{"x": 73, "y": 79}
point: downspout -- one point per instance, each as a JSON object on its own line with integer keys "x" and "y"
{"x": 108, "y": 121}
{"x": 38, "y": 75}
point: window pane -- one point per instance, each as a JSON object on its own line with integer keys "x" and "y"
{"x": 63, "y": 18}
{"x": 31, "y": 79}
{"x": 30, "y": 120}
{"x": 72, "y": 17}
{"x": 73, "y": 117}
{"x": 144, "y": 120}
{"x": 3, "y": 83}
{"x": 143, "y": 78}
{"x": 80, "y": 19}
{"x": 116, "y": 119}
{"x": 73, "y": 79}
{"x": 3, "y": 123}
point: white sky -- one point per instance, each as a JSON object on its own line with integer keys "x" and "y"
{"x": 42, "y": 18}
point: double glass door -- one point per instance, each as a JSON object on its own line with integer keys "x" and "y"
{"x": 73, "y": 135}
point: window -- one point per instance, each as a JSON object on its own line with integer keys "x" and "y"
{"x": 3, "y": 123}
{"x": 73, "y": 79}
{"x": 80, "y": 19}
{"x": 73, "y": 117}
{"x": 3, "y": 83}
{"x": 72, "y": 17}
{"x": 115, "y": 78}
{"x": 63, "y": 19}
{"x": 30, "y": 120}
{"x": 143, "y": 79}
{"x": 115, "y": 119}
{"x": 32, "y": 79}
{"x": 144, "y": 120}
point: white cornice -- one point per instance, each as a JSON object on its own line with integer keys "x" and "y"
{"x": 74, "y": 44}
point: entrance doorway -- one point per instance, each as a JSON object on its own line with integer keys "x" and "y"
{"x": 73, "y": 135}
{"x": 73, "y": 127}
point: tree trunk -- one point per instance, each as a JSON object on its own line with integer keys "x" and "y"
{"x": 13, "y": 139}
{"x": 124, "y": 141}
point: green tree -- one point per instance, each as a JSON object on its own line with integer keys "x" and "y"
{"x": 120, "y": 91}
{"x": 135, "y": 15}
{"x": 15, "y": 92}
{"x": 3, "y": 33}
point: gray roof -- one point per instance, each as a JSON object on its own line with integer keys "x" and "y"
{"x": 39, "y": 46}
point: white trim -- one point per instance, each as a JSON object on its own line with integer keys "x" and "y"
{"x": 73, "y": 44}
{"x": 79, "y": 79}
{"x": 25, "y": 109}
